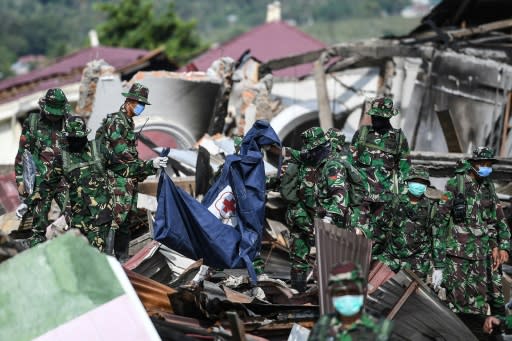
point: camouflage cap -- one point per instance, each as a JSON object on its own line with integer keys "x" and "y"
{"x": 383, "y": 107}
{"x": 138, "y": 92}
{"x": 336, "y": 136}
{"x": 483, "y": 153}
{"x": 312, "y": 138}
{"x": 75, "y": 127}
{"x": 55, "y": 102}
{"x": 343, "y": 274}
{"x": 417, "y": 172}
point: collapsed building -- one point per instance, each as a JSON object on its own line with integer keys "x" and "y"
{"x": 451, "y": 79}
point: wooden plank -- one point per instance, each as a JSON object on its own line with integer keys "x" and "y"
{"x": 450, "y": 133}
{"x": 237, "y": 328}
{"x": 410, "y": 289}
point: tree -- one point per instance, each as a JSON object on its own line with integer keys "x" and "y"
{"x": 133, "y": 23}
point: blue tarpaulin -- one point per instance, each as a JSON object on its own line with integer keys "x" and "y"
{"x": 226, "y": 228}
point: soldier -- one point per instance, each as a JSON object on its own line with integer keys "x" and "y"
{"x": 414, "y": 240}
{"x": 332, "y": 186}
{"x": 475, "y": 231}
{"x": 39, "y": 137}
{"x": 126, "y": 169}
{"x": 81, "y": 164}
{"x": 381, "y": 153}
{"x": 357, "y": 186}
{"x": 300, "y": 214}
{"x": 349, "y": 322}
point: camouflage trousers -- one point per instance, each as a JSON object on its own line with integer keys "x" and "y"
{"x": 419, "y": 263}
{"x": 468, "y": 285}
{"x": 94, "y": 227}
{"x": 369, "y": 218}
{"x": 39, "y": 205}
{"x": 124, "y": 204}
{"x": 95, "y": 234}
{"x": 495, "y": 292}
{"x": 301, "y": 237}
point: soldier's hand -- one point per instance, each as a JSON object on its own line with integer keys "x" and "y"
{"x": 21, "y": 188}
{"x": 437, "y": 278}
{"x": 495, "y": 258}
{"x": 160, "y": 162}
{"x": 503, "y": 256}
{"x": 21, "y": 210}
{"x": 489, "y": 324}
{"x": 327, "y": 219}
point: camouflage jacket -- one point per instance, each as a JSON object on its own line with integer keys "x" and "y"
{"x": 301, "y": 212}
{"x": 89, "y": 199}
{"x": 38, "y": 136}
{"x": 484, "y": 225}
{"x": 329, "y": 328}
{"x": 332, "y": 190}
{"x": 381, "y": 158}
{"x": 414, "y": 232}
{"x": 118, "y": 140}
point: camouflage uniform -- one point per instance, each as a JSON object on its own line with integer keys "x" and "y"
{"x": 356, "y": 185}
{"x": 39, "y": 136}
{"x": 125, "y": 168}
{"x": 382, "y": 156}
{"x": 471, "y": 206}
{"x": 414, "y": 240}
{"x": 330, "y": 327}
{"x": 300, "y": 215}
{"x": 89, "y": 208}
{"x": 332, "y": 187}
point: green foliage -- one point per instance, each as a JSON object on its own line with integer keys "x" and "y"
{"x": 57, "y": 27}
{"x": 45, "y": 27}
{"x": 135, "y": 23}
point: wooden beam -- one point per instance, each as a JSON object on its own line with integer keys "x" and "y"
{"x": 303, "y": 58}
{"x": 324, "y": 110}
{"x": 374, "y": 49}
{"x": 450, "y": 133}
{"x": 506, "y": 126}
{"x": 464, "y": 32}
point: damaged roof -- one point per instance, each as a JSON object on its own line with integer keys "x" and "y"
{"x": 268, "y": 41}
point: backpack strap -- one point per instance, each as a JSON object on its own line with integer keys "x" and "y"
{"x": 361, "y": 140}
{"x": 34, "y": 117}
{"x": 460, "y": 183}
{"x": 97, "y": 161}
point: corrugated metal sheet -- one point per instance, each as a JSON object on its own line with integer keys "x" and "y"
{"x": 417, "y": 314}
{"x": 334, "y": 245}
{"x": 152, "y": 294}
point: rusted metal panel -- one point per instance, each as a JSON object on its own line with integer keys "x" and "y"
{"x": 379, "y": 274}
{"x": 152, "y": 294}
{"x": 334, "y": 245}
{"x": 417, "y": 314}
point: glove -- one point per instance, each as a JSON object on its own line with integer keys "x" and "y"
{"x": 160, "y": 161}
{"x": 21, "y": 210}
{"x": 327, "y": 219}
{"x": 437, "y": 278}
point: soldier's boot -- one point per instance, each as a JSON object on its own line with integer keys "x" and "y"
{"x": 122, "y": 245}
{"x": 298, "y": 279}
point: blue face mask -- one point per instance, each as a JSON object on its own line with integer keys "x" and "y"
{"x": 484, "y": 171}
{"x": 348, "y": 305}
{"x": 139, "y": 108}
{"x": 416, "y": 189}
